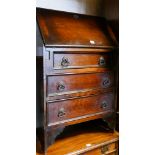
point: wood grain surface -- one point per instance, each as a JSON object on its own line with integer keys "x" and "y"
{"x": 79, "y": 107}
{"x": 92, "y": 31}
{"x": 78, "y": 82}
{"x": 78, "y": 60}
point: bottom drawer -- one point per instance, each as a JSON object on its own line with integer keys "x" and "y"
{"x": 110, "y": 149}
{"x": 68, "y": 110}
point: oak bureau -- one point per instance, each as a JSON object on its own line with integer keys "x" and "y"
{"x": 76, "y": 72}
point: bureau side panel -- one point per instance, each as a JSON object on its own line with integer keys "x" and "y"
{"x": 39, "y": 92}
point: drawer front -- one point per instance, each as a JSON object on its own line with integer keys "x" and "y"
{"x": 65, "y": 110}
{"x": 76, "y": 82}
{"x": 81, "y": 60}
{"x": 98, "y": 152}
{"x": 110, "y": 149}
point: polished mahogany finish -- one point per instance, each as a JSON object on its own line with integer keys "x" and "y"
{"x": 60, "y": 28}
{"x": 75, "y": 82}
{"x": 77, "y": 108}
{"x": 78, "y": 71}
{"x": 81, "y": 60}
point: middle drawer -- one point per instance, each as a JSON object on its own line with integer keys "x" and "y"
{"x": 75, "y": 82}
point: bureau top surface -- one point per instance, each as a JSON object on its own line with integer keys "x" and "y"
{"x": 70, "y": 29}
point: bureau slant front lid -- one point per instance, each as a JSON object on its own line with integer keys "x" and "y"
{"x": 70, "y": 29}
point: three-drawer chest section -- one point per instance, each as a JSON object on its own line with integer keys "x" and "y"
{"x": 79, "y": 85}
{"x": 78, "y": 74}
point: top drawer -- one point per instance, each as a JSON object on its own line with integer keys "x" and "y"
{"x": 81, "y": 60}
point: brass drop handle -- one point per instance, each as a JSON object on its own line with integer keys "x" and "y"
{"x": 65, "y": 62}
{"x": 104, "y": 105}
{"x": 101, "y": 61}
{"x": 60, "y": 86}
{"x": 106, "y": 82}
{"x": 61, "y": 112}
{"x": 104, "y": 149}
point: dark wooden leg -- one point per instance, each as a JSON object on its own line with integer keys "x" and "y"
{"x": 40, "y": 140}
{"x": 47, "y": 137}
{"x": 109, "y": 122}
{"x": 51, "y": 135}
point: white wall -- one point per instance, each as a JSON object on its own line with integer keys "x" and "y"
{"x": 106, "y": 8}
{"x": 92, "y": 7}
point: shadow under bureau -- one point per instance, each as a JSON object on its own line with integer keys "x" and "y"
{"x": 76, "y": 73}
